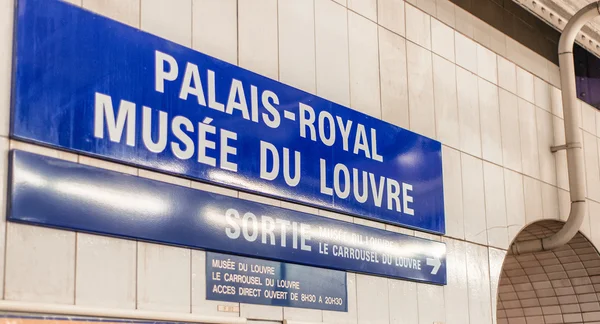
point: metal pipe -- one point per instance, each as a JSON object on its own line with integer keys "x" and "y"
{"x": 573, "y": 139}
{"x": 41, "y": 308}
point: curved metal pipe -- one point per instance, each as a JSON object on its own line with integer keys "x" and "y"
{"x": 573, "y": 139}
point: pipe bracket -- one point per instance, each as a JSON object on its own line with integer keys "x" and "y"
{"x": 567, "y": 146}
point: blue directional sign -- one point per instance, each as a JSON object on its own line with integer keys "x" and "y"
{"x": 85, "y": 83}
{"x": 56, "y": 193}
{"x": 253, "y": 281}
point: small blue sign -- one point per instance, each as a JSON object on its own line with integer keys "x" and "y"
{"x": 86, "y": 83}
{"x": 56, "y": 193}
{"x": 253, "y": 281}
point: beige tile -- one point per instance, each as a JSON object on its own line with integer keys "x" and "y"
{"x": 257, "y": 37}
{"x": 445, "y": 12}
{"x": 331, "y": 32}
{"x": 466, "y": 52}
{"x": 446, "y": 102}
{"x": 468, "y": 112}
{"x": 296, "y": 21}
{"x": 533, "y": 200}
{"x": 515, "y": 203}
{"x": 366, "y": 8}
{"x": 529, "y": 141}
{"x": 6, "y": 35}
{"x": 507, "y": 75}
{"x": 464, "y": 22}
{"x": 542, "y": 92}
{"x": 442, "y": 39}
{"x": 170, "y": 20}
{"x": 372, "y": 299}
{"x": 390, "y": 15}
{"x": 105, "y": 272}
{"x": 403, "y": 301}
{"x": 215, "y": 28}
{"x": 364, "y": 65}
{"x": 200, "y": 304}
{"x": 491, "y": 135}
{"x": 509, "y": 125}
{"x": 525, "y": 86}
{"x": 393, "y": 78}
{"x": 473, "y": 199}
{"x": 495, "y": 206}
{"x": 487, "y": 64}
{"x": 31, "y": 278}
{"x": 125, "y": 11}
{"x": 418, "y": 26}
{"x": 420, "y": 90}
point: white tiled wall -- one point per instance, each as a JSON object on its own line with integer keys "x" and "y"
{"x": 425, "y": 65}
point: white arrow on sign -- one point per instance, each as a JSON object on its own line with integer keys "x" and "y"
{"x": 435, "y": 263}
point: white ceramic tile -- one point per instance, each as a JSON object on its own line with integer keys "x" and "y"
{"x": 545, "y": 134}
{"x": 442, "y": 39}
{"x": 487, "y": 64}
{"x": 429, "y": 6}
{"x": 463, "y": 22}
{"x": 199, "y": 303}
{"x": 594, "y": 209}
{"x": 263, "y": 312}
{"x": 481, "y": 32}
{"x": 453, "y": 193}
{"x": 542, "y": 91}
{"x": 163, "y": 278}
{"x": 550, "y": 206}
{"x": 331, "y": 32}
{"x": 303, "y": 314}
{"x": 597, "y": 113}
{"x": 525, "y": 87}
{"x": 41, "y": 150}
{"x": 125, "y": 11}
{"x": 403, "y": 301}
{"x": 509, "y": 126}
{"x": 364, "y": 65}
{"x": 418, "y": 26}
{"x": 401, "y": 230}
{"x": 300, "y": 208}
{"x": 260, "y": 199}
{"x": 473, "y": 199}
{"x": 105, "y": 272}
{"x": 466, "y": 52}
{"x": 338, "y": 216}
{"x": 369, "y": 223}
{"x": 491, "y": 136}
{"x": 297, "y": 44}
{"x": 431, "y": 304}
{"x": 556, "y": 102}
{"x": 564, "y": 204}
{"x": 496, "y": 259}
{"x": 214, "y": 189}
{"x": 420, "y": 90}
{"x": 497, "y": 42}
{"x": 507, "y": 75}
{"x": 553, "y": 74}
{"x": 366, "y": 8}
{"x": 456, "y": 291}
{"x": 446, "y": 102}
{"x": 533, "y": 200}
{"x": 445, "y": 12}
{"x": 478, "y": 276}
{"x": 342, "y": 2}
{"x": 529, "y": 142}
{"x": 168, "y": 19}
{"x": 515, "y": 203}
{"x": 6, "y": 33}
{"x": 495, "y": 205}
{"x": 588, "y": 118}
{"x": 108, "y": 165}
{"x": 560, "y": 157}
{"x": 4, "y": 145}
{"x": 526, "y": 58}
{"x": 31, "y": 278}
{"x": 390, "y": 14}
{"x": 75, "y": 2}
{"x": 164, "y": 178}
{"x": 393, "y": 74}
{"x": 257, "y": 36}
{"x": 215, "y": 28}
{"x": 348, "y": 317}
{"x": 468, "y": 112}
{"x": 372, "y": 299}
{"x": 592, "y": 171}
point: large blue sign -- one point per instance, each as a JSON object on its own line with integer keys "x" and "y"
{"x": 253, "y": 281}
{"x": 89, "y": 84}
{"x": 56, "y": 193}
